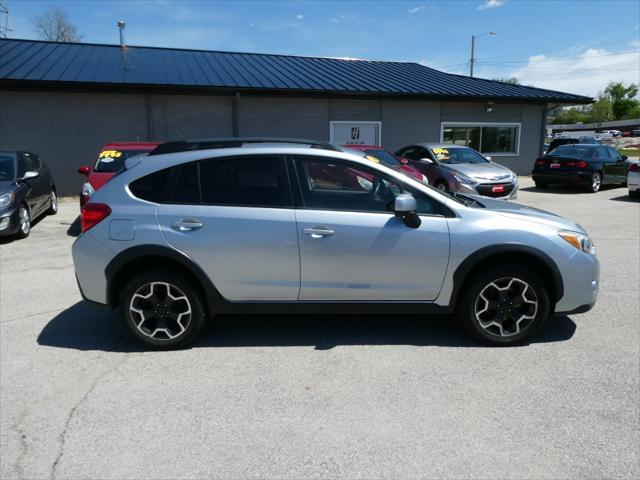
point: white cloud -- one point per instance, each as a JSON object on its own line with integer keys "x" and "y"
{"x": 492, "y": 4}
{"x": 587, "y": 74}
{"x": 419, "y": 9}
{"x": 299, "y": 17}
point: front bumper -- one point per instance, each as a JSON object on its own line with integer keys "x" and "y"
{"x": 509, "y": 190}
{"x": 9, "y": 222}
{"x": 581, "y": 277}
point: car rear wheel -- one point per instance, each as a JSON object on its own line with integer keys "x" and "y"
{"x": 596, "y": 183}
{"x": 162, "y": 309}
{"x": 504, "y": 305}
{"x": 24, "y": 222}
{"x": 53, "y": 203}
{"x": 542, "y": 185}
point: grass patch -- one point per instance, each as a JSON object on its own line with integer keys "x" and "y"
{"x": 630, "y": 152}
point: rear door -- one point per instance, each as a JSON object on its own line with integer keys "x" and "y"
{"x": 602, "y": 156}
{"x": 233, "y": 216}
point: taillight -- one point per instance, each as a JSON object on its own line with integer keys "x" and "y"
{"x": 540, "y": 162}
{"x": 635, "y": 167}
{"x": 92, "y": 214}
{"x": 580, "y": 164}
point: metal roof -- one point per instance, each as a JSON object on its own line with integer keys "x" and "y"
{"x": 34, "y": 62}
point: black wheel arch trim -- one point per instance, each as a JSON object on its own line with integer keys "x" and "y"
{"x": 469, "y": 263}
{"x": 213, "y": 296}
{"x": 217, "y": 304}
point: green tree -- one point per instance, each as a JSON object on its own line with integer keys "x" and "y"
{"x": 623, "y": 99}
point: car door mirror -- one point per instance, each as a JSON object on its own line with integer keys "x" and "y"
{"x": 84, "y": 170}
{"x": 488, "y": 158}
{"x": 624, "y": 157}
{"x": 29, "y": 175}
{"x": 405, "y": 207}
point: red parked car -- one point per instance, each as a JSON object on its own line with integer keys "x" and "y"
{"x": 389, "y": 160}
{"x": 110, "y": 160}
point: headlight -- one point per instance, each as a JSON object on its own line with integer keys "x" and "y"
{"x": 7, "y": 199}
{"x": 463, "y": 178}
{"x": 580, "y": 241}
{"x": 87, "y": 190}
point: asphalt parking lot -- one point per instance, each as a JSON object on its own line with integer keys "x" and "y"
{"x": 322, "y": 397}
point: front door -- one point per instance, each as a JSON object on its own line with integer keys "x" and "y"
{"x": 353, "y": 248}
{"x": 240, "y": 229}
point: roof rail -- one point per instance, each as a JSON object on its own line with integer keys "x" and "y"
{"x": 233, "y": 142}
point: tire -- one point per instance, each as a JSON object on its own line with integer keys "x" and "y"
{"x": 596, "y": 183}
{"x": 440, "y": 185}
{"x": 542, "y": 185}
{"x": 24, "y": 219}
{"x": 524, "y": 295}
{"x": 174, "y": 321}
{"x": 53, "y": 203}
{"x": 634, "y": 194}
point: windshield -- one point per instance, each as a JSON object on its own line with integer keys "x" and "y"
{"x": 7, "y": 171}
{"x": 385, "y": 157}
{"x": 571, "y": 151}
{"x": 111, "y": 161}
{"x": 456, "y": 155}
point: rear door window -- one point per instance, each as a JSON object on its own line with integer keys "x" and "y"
{"x": 249, "y": 181}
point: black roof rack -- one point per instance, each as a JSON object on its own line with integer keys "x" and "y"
{"x": 233, "y": 142}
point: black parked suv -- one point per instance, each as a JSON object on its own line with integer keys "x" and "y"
{"x": 26, "y": 192}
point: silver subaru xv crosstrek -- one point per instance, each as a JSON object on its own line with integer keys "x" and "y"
{"x": 206, "y": 227}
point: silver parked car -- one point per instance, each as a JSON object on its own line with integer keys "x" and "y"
{"x": 633, "y": 180}
{"x": 458, "y": 168}
{"x": 199, "y": 228}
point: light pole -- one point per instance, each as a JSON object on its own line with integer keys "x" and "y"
{"x": 473, "y": 50}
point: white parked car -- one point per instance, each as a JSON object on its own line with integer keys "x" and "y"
{"x": 633, "y": 180}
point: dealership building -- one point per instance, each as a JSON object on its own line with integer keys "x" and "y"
{"x": 64, "y": 100}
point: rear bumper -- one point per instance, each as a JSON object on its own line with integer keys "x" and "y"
{"x": 570, "y": 178}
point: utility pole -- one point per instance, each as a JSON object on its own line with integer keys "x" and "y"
{"x": 4, "y": 20}
{"x": 472, "y": 61}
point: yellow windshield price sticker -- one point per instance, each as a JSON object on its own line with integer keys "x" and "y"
{"x": 110, "y": 154}
{"x": 373, "y": 159}
{"x": 441, "y": 153}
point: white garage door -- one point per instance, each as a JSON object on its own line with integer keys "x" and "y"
{"x": 355, "y": 133}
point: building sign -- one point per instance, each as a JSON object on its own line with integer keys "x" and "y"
{"x": 355, "y": 133}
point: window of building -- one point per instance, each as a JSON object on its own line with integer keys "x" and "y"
{"x": 489, "y": 138}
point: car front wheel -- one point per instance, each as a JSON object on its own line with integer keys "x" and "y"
{"x": 24, "y": 219}
{"x": 53, "y": 203}
{"x": 504, "y": 305}
{"x": 162, "y": 309}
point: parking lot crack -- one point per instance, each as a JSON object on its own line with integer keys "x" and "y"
{"x": 62, "y": 438}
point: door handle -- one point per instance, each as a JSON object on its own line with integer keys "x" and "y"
{"x": 319, "y": 232}
{"x": 187, "y": 224}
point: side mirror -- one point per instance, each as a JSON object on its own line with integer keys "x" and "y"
{"x": 29, "y": 175}
{"x": 84, "y": 170}
{"x": 488, "y": 158}
{"x": 624, "y": 157}
{"x": 426, "y": 160}
{"x": 405, "y": 207}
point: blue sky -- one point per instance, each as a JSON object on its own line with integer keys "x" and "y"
{"x": 575, "y": 46}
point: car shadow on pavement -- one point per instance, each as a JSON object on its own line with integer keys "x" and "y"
{"x": 566, "y": 189}
{"x": 625, "y": 198}
{"x": 87, "y": 327}
{"x": 74, "y": 229}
